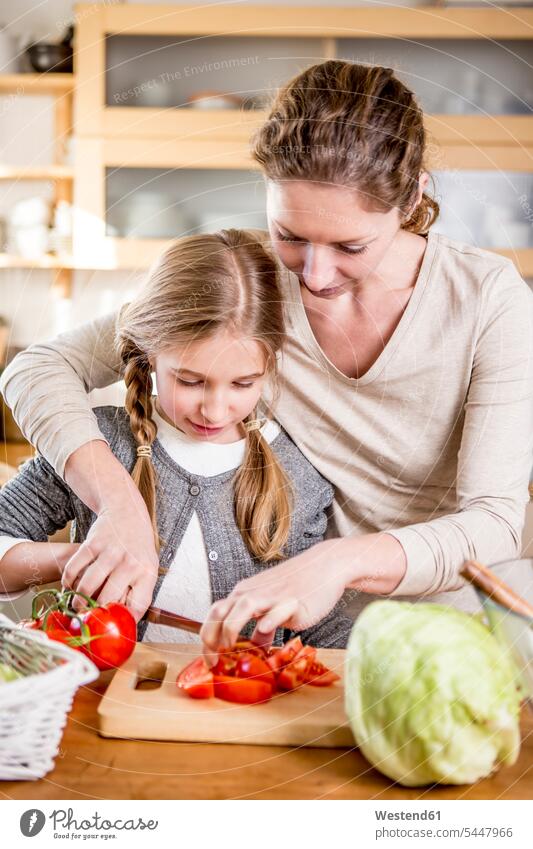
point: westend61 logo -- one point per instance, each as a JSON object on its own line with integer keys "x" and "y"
{"x": 65, "y": 825}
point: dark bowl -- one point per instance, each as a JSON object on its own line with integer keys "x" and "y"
{"x": 52, "y": 58}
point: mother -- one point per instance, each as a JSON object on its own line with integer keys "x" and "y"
{"x": 407, "y": 379}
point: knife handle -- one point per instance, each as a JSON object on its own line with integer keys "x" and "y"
{"x": 164, "y": 617}
{"x": 495, "y": 588}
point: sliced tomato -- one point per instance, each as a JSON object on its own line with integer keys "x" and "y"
{"x": 245, "y": 691}
{"x": 289, "y": 651}
{"x": 196, "y": 680}
{"x": 307, "y": 652}
{"x": 319, "y": 675}
{"x": 294, "y": 674}
{"x": 273, "y": 659}
{"x": 251, "y": 666}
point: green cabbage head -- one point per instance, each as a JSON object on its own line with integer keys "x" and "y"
{"x": 430, "y": 695}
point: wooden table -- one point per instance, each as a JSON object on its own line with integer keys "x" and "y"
{"x": 94, "y": 767}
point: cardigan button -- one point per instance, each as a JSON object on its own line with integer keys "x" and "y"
{"x": 213, "y": 555}
{"x": 194, "y": 489}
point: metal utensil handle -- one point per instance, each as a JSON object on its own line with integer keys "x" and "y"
{"x": 495, "y": 588}
{"x": 165, "y": 617}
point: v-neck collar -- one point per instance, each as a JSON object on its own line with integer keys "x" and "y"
{"x": 305, "y": 329}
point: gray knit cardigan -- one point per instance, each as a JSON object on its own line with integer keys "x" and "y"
{"x": 37, "y": 502}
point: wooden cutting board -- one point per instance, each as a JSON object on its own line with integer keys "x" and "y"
{"x": 143, "y": 702}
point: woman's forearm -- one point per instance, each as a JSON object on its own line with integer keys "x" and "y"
{"x": 33, "y": 563}
{"x": 100, "y": 480}
{"x": 372, "y": 563}
{"x": 46, "y": 387}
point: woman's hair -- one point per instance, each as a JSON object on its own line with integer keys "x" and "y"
{"x": 351, "y": 125}
{"x": 201, "y": 286}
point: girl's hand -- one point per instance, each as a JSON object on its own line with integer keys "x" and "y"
{"x": 296, "y": 594}
{"x": 300, "y": 592}
{"x": 117, "y": 562}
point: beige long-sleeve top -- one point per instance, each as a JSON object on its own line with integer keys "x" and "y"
{"x": 433, "y": 444}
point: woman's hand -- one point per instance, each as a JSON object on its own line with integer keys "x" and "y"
{"x": 118, "y": 560}
{"x": 300, "y": 592}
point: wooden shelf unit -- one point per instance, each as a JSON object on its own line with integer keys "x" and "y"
{"x": 61, "y": 88}
{"x": 432, "y": 22}
{"x": 181, "y": 137}
{"x": 36, "y": 84}
{"x": 38, "y": 172}
{"x": 144, "y": 137}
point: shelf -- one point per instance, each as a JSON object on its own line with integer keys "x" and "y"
{"x": 51, "y": 262}
{"x": 46, "y": 262}
{"x": 141, "y": 253}
{"x": 431, "y": 21}
{"x": 183, "y": 124}
{"x": 33, "y": 84}
{"x": 485, "y": 130}
{"x": 42, "y": 172}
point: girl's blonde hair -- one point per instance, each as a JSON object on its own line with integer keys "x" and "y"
{"x": 201, "y": 286}
{"x": 351, "y": 125}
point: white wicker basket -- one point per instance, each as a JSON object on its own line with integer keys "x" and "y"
{"x": 33, "y": 708}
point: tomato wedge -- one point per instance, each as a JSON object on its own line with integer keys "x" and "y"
{"x": 250, "y": 674}
{"x": 196, "y": 680}
{"x": 294, "y": 674}
{"x": 245, "y": 691}
{"x": 289, "y": 651}
{"x": 250, "y": 666}
{"x": 321, "y": 676}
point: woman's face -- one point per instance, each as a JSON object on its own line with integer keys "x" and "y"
{"x": 327, "y": 236}
{"x": 210, "y": 386}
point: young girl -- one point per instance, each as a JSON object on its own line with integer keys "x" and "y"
{"x": 227, "y": 493}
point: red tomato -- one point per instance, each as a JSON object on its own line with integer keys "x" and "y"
{"x": 57, "y": 620}
{"x": 113, "y": 635}
{"x": 226, "y": 663}
{"x": 196, "y": 680}
{"x": 59, "y": 635}
{"x": 319, "y": 675}
{"x": 244, "y": 691}
{"x": 250, "y": 666}
{"x": 248, "y": 674}
{"x": 289, "y": 651}
{"x": 294, "y": 674}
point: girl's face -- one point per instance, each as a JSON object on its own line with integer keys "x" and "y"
{"x": 207, "y": 388}
{"x": 327, "y": 236}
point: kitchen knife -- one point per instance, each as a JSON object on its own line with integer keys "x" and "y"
{"x": 165, "y": 617}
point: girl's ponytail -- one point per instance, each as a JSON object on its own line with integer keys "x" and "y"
{"x": 263, "y": 499}
{"x": 139, "y": 385}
